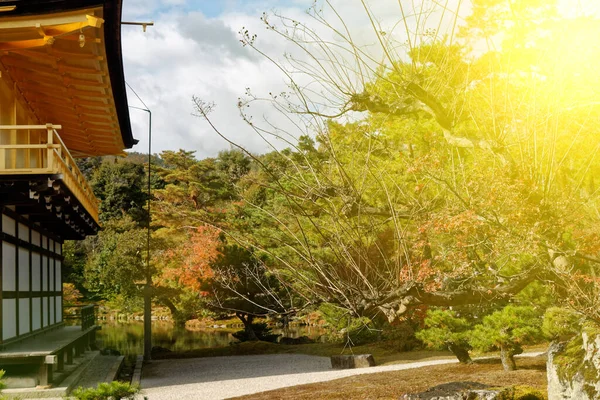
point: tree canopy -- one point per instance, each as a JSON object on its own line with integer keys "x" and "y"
{"x": 450, "y": 173}
{"x": 453, "y": 164}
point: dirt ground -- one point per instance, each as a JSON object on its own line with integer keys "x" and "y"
{"x": 392, "y": 385}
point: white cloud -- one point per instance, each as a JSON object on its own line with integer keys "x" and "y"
{"x": 188, "y": 54}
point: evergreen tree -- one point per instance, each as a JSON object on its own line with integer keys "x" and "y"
{"x": 508, "y": 330}
{"x": 445, "y": 329}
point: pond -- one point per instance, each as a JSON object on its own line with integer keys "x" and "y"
{"x": 128, "y": 337}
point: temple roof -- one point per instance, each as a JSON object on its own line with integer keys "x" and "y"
{"x": 64, "y": 59}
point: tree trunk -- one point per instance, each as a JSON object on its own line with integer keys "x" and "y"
{"x": 379, "y": 322}
{"x": 461, "y": 352}
{"x": 247, "y": 321}
{"x": 178, "y": 319}
{"x": 507, "y": 356}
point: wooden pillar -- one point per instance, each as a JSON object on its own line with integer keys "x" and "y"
{"x": 60, "y": 366}
{"x": 45, "y": 372}
{"x": 50, "y": 142}
{"x": 78, "y": 348}
{"x": 2, "y": 158}
{"x": 69, "y": 351}
{"x": 92, "y": 341}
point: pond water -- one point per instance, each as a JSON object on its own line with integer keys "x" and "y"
{"x": 128, "y": 337}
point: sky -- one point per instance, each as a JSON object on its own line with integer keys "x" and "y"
{"x": 194, "y": 49}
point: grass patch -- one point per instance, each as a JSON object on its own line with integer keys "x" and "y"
{"x": 392, "y": 385}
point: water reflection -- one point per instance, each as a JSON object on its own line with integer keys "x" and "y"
{"x": 128, "y": 337}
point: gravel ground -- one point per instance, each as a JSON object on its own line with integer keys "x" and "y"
{"x": 224, "y": 377}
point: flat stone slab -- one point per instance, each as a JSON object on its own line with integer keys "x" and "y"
{"x": 352, "y": 361}
{"x": 26, "y": 380}
{"x": 474, "y": 391}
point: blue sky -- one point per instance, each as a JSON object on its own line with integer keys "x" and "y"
{"x": 210, "y": 8}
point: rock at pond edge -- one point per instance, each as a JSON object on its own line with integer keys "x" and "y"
{"x": 352, "y": 361}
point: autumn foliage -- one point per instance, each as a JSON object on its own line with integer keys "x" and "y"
{"x": 189, "y": 263}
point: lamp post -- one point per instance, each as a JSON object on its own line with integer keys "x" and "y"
{"x": 148, "y": 286}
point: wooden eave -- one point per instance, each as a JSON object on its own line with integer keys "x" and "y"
{"x": 59, "y": 67}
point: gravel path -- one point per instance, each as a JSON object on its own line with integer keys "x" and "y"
{"x": 224, "y": 377}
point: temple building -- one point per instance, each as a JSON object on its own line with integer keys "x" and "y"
{"x": 62, "y": 96}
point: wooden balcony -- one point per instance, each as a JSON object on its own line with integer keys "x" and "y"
{"x": 49, "y": 351}
{"x": 35, "y": 154}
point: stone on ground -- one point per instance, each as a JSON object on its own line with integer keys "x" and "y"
{"x": 352, "y": 361}
{"x": 474, "y": 391}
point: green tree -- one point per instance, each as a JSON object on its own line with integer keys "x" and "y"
{"x": 445, "y": 329}
{"x": 192, "y": 192}
{"x": 88, "y": 165}
{"x": 75, "y": 254}
{"x": 243, "y": 285}
{"x": 508, "y": 329}
{"x": 233, "y": 165}
{"x": 121, "y": 187}
{"x": 346, "y": 328}
{"x": 197, "y": 194}
{"x": 117, "y": 262}
{"x": 116, "y": 269}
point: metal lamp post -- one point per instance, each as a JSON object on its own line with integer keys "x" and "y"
{"x": 148, "y": 286}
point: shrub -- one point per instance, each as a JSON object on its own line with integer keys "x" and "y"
{"x": 401, "y": 337}
{"x": 561, "y": 323}
{"x": 71, "y": 295}
{"x": 507, "y": 329}
{"x": 107, "y": 391}
{"x": 446, "y": 330}
{"x": 2, "y": 385}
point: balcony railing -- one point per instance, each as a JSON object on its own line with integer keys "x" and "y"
{"x": 85, "y": 315}
{"x": 88, "y": 317}
{"x": 38, "y": 149}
